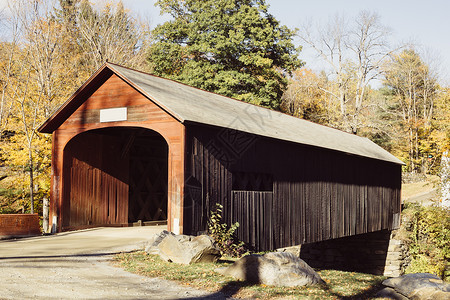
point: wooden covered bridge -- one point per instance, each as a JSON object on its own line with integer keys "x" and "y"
{"x": 129, "y": 146}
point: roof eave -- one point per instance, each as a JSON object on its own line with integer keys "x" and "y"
{"x": 75, "y": 101}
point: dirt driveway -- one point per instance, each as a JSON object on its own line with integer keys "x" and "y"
{"x": 76, "y": 265}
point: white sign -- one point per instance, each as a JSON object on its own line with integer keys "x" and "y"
{"x": 113, "y": 114}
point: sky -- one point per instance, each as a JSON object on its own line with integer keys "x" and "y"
{"x": 425, "y": 23}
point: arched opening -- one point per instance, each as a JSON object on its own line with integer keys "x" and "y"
{"x": 115, "y": 176}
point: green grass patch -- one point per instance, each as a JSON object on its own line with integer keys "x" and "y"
{"x": 339, "y": 284}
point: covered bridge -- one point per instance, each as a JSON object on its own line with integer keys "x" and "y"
{"x": 129, "y": 146}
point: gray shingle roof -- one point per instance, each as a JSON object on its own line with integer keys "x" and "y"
{"x": 187, "y": 103}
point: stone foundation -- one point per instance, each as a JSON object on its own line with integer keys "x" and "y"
{"x": 374, "y": 253}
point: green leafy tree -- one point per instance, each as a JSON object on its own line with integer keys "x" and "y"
{"x": 234, "y": 48}
{"x": 427, "y": 235}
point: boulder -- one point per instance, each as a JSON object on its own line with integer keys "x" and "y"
{"x": 420, "y": 286}
{"x": 184, "y": 249}
{"x": 275, "y": 268}
{"x": 390, "y": 293}
{"x": 152, "y": 245}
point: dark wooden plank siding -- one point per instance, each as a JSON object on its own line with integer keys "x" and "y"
{"x": 253, "y": 210}
{"x": 317, "y": 194}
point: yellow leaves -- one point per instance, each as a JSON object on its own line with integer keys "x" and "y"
{"x": 13, "y": 151}
{"x": 16, "y": 151}
{"x": 44, "y": 61}
{"x": 442, "y": 119}
{"x": 306, "y": 97}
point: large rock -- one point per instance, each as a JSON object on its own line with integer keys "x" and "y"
{"x": 184, "y": 249}
{"x": 275, "y": 268}
{"x": 420, "y": 286}
{"x": 152, "y": 245}
{"x": 390, "y": 293}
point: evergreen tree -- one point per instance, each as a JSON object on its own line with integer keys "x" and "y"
{"x": 232, "y": 47}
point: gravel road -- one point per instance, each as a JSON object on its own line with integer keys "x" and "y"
{"x": 76, "y": 265}
{"x": 426, "y": 198}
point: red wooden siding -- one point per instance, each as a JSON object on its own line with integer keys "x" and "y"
{"x": 97, "y": 190}
{"x": 143, "y": 113}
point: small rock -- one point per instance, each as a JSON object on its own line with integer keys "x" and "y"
{"x": 275, "y": 268}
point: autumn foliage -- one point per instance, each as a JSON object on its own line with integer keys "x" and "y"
{"x": 235, "y": 48}
{"x": 51, "y": 48}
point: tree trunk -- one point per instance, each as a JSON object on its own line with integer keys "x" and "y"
{"x": 30, "y": 157}
{"x": 45, "y": 215}
{"x": 411, "y": 150}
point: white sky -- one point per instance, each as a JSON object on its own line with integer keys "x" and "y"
{"x": 426, "y": 23}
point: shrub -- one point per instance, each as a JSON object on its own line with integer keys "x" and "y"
{"x": 427, "y": 234}
{"x": 224, "y": 236}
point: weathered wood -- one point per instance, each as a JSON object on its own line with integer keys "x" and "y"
{"x": 148, "y": 180}
{"x": 111, "y": 91}
{"x": 253, "y": 212}
{"x": 317, "y": 194}
{"x": 98, "y": 181}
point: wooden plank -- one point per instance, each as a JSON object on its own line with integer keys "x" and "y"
{"x": 142, "y": 113}
{"x": 253, "y": 212}
{"x": 317, "y": 195}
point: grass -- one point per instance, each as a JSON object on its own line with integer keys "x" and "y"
{"x": 411, "y": 189}
{"x": 339, "y": 284}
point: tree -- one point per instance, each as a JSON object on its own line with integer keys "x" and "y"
{"x": 438, "y": 140}
{"x": 9, "y": 64}
{"x": 305, "y": 99}
{"x": 442, "y": 118}
{"x": 415, "y": 89}
{"x": 354, "y": 53}
{"x": 234, "y": 48}
{"x": 110, "y": 34}
{"x": 31, "y": 83}
{"x": 46, "y": 54}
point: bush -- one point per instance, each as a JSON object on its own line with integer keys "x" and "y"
{"x": 224, "y": 236}
{"x": 427, "y": 234}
